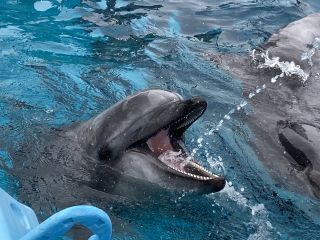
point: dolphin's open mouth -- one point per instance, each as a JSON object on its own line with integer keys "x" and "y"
{"x": 167, "y": 145}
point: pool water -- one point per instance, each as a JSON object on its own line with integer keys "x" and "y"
{"x": 65, "y": 61}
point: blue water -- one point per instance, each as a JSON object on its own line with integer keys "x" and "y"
{"x": 68, "y": 60}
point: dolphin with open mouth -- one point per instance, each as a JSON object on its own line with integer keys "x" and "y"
{"x": 142, "y": 137}
{"x": 135, "y": 149}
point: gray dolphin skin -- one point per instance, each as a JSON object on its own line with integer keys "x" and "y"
{"x": 135, "y": 135}
{"x": 285, "y": 118}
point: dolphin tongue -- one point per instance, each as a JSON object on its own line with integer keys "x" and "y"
{"x": 160, "y": 143}
{"x": 172, "y": 153}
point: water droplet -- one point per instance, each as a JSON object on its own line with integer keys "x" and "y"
{"x": 274, "y": 79}
{"x": 243, "y": 103}
{"x": 251, "y": 95}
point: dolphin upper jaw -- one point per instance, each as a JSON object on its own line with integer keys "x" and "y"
{"x": 118, "y": 127}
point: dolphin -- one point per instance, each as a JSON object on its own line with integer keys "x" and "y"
{"x": 280, "y": 80}
{"x": 142, "y": 136}
{"x": 134, "y": 148}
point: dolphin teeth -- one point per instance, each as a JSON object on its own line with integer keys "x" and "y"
{"x": 195, "y": 176}
{"x": 203, "y": 169}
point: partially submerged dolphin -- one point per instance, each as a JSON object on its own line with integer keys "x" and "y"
{"x": 135, "y": 145}
{"x": 285, "y": 118}
{"x": 143, "y": 137}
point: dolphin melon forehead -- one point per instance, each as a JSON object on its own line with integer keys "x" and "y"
{"x": 146, "y": 101}
{"x": 154, "y": 97}
{"x": 127, "y": 111}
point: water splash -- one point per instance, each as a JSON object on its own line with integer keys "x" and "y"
{"x": 315, "y": 46}
{"x": 287, "y": 68}
{"x": 259, "y": 221}
{"x": 227, "y": 117}
{"x": 174, "y": 159}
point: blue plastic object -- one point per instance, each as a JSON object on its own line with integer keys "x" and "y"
{"x": 19, "y": 222}
{"x": 16, "y": 219}
{"x": 93, "y": 218}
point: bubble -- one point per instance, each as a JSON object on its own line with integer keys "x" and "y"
{"x": 227, "y": 117}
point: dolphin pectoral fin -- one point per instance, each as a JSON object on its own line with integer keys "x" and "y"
{"x": 301, "y": 142}
{"x": 301, "y": 161}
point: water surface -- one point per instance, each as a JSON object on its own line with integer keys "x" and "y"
{"x": 65, "y": 61}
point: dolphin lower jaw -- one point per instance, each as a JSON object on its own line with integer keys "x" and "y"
{"x": 194, "y": 171}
